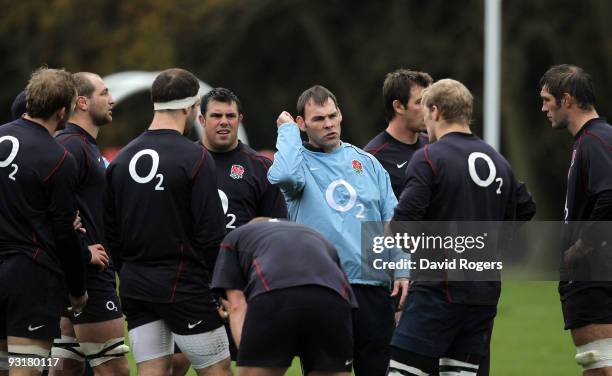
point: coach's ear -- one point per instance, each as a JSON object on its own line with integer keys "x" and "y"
{"x": 300, "y": 122}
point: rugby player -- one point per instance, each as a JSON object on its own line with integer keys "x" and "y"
{"x": 97, "y": 333}
{"x": 164, "y": 224}
{"x": 393, "y": 147}
{"x": 333, "y": 187}
{"x": 568, "y": 100}
{"x": 41, "y": 263}
{"x": 288, "y": 296}
{"x": 241, "y": 172}
{"x": 241, "y": 175}
{"x": 447, "y": 324}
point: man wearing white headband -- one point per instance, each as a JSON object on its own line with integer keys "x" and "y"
{"x": 164, "y": 223}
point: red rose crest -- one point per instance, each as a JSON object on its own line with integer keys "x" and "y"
{"x": 236, "y": 171}
{"x": 357, "y": 166}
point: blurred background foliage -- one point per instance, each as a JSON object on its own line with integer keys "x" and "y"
{"x": 268, "y": 52}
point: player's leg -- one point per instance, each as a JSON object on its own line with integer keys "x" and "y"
{"x": 261, "y": 371}
{"x": 103, "y": 344}
{"x": 32, "y": 313}
{"x": 151, "y": 341}
{"x": 594, "y": 349}
{"x": 100, "y": 332}
{"x": 199, "y": 333}
{"x": 427, "y": 328}
{"x": 325, "y": 342}
{"x": 207, "y": 352}
{"x": 21, "y": 350}
{"x": 408, "y": 363}
{"x": 471, "y": 343}
{"x": 269, "y": 334}
{"x": 373, "y": 325}
{"x": 3, "y": 347}
{"x": 152, "y": 346}
{"x": 180, "y": 363}
{"x": 3, "y": 355}
{"x": 71, "y": 360}
{"x": 588, "y": 314}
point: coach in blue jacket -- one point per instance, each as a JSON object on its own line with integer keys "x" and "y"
{"x": 333, "y": 187}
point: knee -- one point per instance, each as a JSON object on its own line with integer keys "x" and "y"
{"x": 116, "y": 367}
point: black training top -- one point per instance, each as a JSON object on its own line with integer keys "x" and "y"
{"x": 91, "y": 167}
{"x": 244, "y": 188}
{"x": 38, "y": 206}
{"x": 462, "y": 178}
{"x": 589, "y": 185}
{"x": 272, "y": 255}
{"x": 394, "y": 156}
{"x": 163, "y": 218}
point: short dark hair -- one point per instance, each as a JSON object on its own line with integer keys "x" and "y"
{"x": 569, "y": 79}
{"x": 397, "y": 86}
{"x": 18, "y": 107}
{"x": 172, "y": 84}
{"x": 83, "y": 83}
{"x": 48, "y": 91}
{"x": 220, "y": 94}
{"x": 317, "y": 94}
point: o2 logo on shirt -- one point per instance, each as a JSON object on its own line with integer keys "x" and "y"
{"x": 11, "y": 157}
{"x": 349, "y": 204}
{"x": 492, "y": 171}
{"x": 152, "y": 174}
{"x": 225, "y": 205}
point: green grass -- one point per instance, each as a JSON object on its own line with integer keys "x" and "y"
{"x": 528, "y": 337}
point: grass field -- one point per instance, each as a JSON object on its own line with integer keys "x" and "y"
{"x": 528, "y": 338}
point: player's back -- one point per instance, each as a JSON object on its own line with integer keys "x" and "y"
{"x": 29, "y": 157}
{"x": 464, "y": 183}
{"x": 472, "y": 181}
{"x": 163, "y": 215}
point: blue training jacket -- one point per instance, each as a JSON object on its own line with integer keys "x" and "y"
{"x": 334, "y": 193}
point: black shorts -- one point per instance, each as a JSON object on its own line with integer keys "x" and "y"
{"x": 373, "y": 325}
{"x": 101, "y": 306}
{"x": 32, "y": 299}
{"x": 193, "y": 316}
{"x": 432, "y": 327}
{"x": 311, "y": 322}
{"x": 588, "y": 305}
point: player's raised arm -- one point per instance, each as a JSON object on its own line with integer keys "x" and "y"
{"x": 286, "y": 171}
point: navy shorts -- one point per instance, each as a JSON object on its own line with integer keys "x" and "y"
{"x": 588, "y": 304}
{"x": 32, "y": 299}
{"x": 432, "y": 327}
{"x": 101, "y": 306}
{"x": 311, "y": 322}
{"x": 193, "y": 316}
